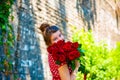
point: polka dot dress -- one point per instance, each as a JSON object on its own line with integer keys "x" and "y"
{"x": 54, "y": 68}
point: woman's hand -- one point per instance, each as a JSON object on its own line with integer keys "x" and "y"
{"x": 77, "y": 64}
{"x": 73, "y": 76}
{"x": 74, "y": 73}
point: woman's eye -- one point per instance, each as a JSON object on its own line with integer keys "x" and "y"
{"x": 59, "y": 35}
{"x": 54, "y": 39}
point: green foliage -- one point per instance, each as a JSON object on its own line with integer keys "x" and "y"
{"x": 114, "y": 65}
{"x": 98, "y": 62}
{"x": 6, "y": 35}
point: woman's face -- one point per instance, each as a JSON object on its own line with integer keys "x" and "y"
{"x": 55, "y": 37}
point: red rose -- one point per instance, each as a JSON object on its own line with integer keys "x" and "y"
{"x": 77, "y": 54}
{"x": 62, "y": 58}
{"x": 62, "y": 51}
{"x": 55, "y": 56}
{"x": 73, "y": 55}
{"x": 52, "y": 50}
{"x": 75, "y": 45}
{"x": 60, "y": 43}
{"x": 49, "y": 49}
{"x": 67, "y": 46}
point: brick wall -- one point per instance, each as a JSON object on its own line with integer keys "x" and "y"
{"x": 102, "y": 16}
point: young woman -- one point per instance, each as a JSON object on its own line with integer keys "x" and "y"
{"x": 53, "y": 34}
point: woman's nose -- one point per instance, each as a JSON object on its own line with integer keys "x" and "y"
{"x": 60, "y": 39}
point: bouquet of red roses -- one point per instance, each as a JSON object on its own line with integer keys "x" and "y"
{"x": 64, "y": 52}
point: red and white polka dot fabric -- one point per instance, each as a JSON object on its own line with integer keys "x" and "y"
{"x": 54, "y": 68}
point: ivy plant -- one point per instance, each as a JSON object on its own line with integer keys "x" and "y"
{"x": 6, "y": 36}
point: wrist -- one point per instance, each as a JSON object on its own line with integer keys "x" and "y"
{"x": 74, "y": 73}
{"x": 76, "y": 69}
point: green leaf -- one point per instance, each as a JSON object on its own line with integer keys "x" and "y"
{"x": 72, "y": 64}
{"x": 10, "y": 27}
{"x": 82, "y": 68}
{"x": 3, "y": 27}
{"x": 1, "y": 43}
{"x": 10, "y": 43}
{"x": 12, "y": 18}
{"x": 58, "y": 62}
{"x": 81, "y": 52}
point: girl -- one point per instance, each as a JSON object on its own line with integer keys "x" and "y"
{"x": 52, "y": 34}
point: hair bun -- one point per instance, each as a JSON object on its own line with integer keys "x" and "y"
{"x": 44, "y": 26}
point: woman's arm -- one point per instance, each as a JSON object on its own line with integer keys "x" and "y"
{"x": 64, "y": 72}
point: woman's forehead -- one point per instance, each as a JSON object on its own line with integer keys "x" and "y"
{"x": 56, "y": 33}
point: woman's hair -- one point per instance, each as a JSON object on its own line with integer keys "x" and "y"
{"x": 47, "y": 31}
